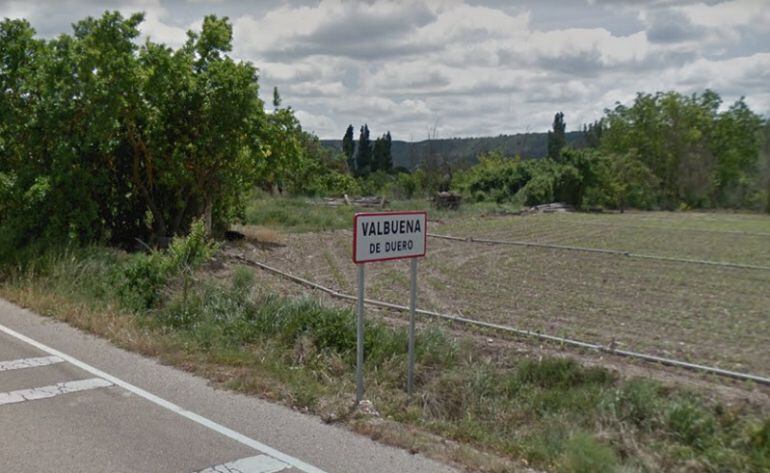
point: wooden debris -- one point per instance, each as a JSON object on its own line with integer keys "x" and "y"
{"x": 447, "y": 200}
{"x": 361, "y": 202}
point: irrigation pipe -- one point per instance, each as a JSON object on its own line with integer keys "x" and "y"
{"x": 674, "y": 229}
{"x": 516, "y": 331}
{"x": 600, "y": 250}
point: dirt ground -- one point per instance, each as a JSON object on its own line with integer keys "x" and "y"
{"x": 718, "y": 316}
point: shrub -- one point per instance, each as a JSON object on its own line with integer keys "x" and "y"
{"x": 146, "y": 274}
{"x": 560, "y": 373}
{"x": 690, "y": 423}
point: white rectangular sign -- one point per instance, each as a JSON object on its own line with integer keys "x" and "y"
{"x": 389, "y": 235}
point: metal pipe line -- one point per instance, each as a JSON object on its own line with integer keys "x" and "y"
{"x": 517, "y": 331}
{"x": 600, "y": 250}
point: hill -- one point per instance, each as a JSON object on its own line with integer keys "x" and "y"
{"x": 465, "y": 151}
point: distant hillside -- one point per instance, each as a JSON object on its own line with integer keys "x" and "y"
{"x": 465, "y": 151}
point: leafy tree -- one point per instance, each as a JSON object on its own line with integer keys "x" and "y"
{"x": 593, "y": 133}
{"x": 631, "y": 183}
{"x": 701, "y": 157}
{"x": 382, "y": 159}
{"x": 557, "y": 138}
{"x": 349, "y": 148}
{"x": 364, "y": 152}
{"x": 285, "y": 161}
{"x": 106, "y": 139}
{"x": 378, "y": 154}
{"x": 387, "y": 161}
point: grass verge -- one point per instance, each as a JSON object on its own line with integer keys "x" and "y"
{"x": 498, "y": 412}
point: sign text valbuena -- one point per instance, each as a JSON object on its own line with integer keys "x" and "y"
{"x": 389, "y": 235}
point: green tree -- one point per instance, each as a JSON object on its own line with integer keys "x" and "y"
{"x": 629, "y": 183}
{"x": 700, "y": 156}
{"x": 557, "y": 138}
{"x": 382, "y": 159}
{"x": 387, "y": 160}
{"x": 364, "y": 152}
{"x": 106, "y": 139}
{"x": 593, "y": 133}
{"x": 285, "y": 162}
{"x": 349, "y": 148}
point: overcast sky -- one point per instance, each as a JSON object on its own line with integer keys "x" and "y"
{"x": 467, "y": 68}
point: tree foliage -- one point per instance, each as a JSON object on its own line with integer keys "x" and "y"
{"x": 105, "y": 139}
{"x": 702, "y": 157}
{"x": 382, "y": 159}
{"x": 557, "y": 139}
{"x": 364, "y": 152}
{"x": 349, "y": 148}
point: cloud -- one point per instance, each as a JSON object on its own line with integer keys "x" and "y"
{"x": 475, "y": 67}
{"x": 672, "y": 27}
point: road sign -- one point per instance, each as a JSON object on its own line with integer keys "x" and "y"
{"x": 389, "y": 235}
{"x": 381, "y": 237}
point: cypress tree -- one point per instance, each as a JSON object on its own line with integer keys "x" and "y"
{"x": 388, "y": 159}
{"x": 349, "y": 148}
{"x": 364, "y": 154}
{"x": 557, "y": 138}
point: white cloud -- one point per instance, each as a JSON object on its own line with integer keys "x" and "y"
{"x": 476, "y": 69}
{"x": 727, "y": 14}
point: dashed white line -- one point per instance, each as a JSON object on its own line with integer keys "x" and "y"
{"x": 258, "y": 464}
{"x": 29, "y": 363}
{"x": 221, "y": 429}
{"x": 45, "y": 392}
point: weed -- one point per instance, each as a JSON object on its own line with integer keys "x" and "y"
{"x": 690, "y": 423}
{"x": 145, "y": 275}
{"x": 584, "y": 454}
{"x": 560, "y": 373}
{"x": 297, "y": 214}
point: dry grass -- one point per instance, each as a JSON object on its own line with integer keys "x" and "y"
{"x": 259, "y": 235}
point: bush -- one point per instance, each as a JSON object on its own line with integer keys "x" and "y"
{"x": 638, "y": 402}
{"x": 561, "y": 373}
{"x": 690, "y": 423}
{"x": 405, "y": 186}
{"x": 581, "y": 178}
{"x": 146, "y": 274}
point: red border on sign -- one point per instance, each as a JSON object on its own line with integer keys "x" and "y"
{"x": 369, "y": 214}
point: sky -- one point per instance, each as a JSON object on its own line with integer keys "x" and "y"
{"x": 457, "y": 68}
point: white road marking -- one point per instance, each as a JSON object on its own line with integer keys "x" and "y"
{"x": 45, "y": 392}
{"x": 29, "y": 363}
{"x": 258, "y": 464}
{"x": 221, "y": 429}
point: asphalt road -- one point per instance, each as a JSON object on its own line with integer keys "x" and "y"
{"x": 70, "y": 402}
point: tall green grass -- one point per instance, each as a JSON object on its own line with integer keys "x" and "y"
{"x": 297, "y": 214}
{"x": 300, "y": 214}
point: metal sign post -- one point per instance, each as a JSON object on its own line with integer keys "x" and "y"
{"x": 412, "y": 310}
{"x": 360, "y": 336}
{"x": 382, "y": 237}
